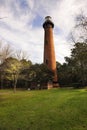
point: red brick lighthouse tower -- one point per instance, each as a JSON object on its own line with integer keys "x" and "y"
{"x": 49, "y": 51}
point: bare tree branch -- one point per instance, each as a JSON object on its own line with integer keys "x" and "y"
{"x": 20, "y": 55}
{"x": 5, "y": 52}
{"x": 79, "y": 33}
{"x": 3, "y": 17}
{"x": 81, "y": 21}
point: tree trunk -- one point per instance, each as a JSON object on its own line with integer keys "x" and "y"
{"x": 1, "y": 82}
{"x": 15, "y": 82}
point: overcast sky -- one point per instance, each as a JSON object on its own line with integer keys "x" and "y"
{"x": 22, "y": 27}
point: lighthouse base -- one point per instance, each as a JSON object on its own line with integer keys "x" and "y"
{"x": 55, "y": 85}
{"x": 51, "y": 85}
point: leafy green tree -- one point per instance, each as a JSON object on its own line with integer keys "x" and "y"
{"x": 79, "y": 57}
{"x": 11, "y": 69}
{"x": 38, "y": 74}
{"x": 23, "y": 80}
{"x": 74, "y": 71}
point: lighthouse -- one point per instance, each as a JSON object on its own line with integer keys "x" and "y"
{"x": 49, "y": 50}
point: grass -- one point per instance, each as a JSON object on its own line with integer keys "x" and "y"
{"x": 56, "y": 109}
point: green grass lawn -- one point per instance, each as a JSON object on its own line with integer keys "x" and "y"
{"x": 56, "y": 109}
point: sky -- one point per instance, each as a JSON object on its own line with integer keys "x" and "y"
{"x": 21, "y": 26}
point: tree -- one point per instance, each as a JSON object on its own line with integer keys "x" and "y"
{"x": 23, "y": 80}
{"x": 5, "y": 52}
{"x": 78, "y": 59}
{"x": 21, "y": 55}
{"x": 82, "y": 26}
{"x": 65, "y": 75}
{"x": 11, "y": 68}
{"x": 81, "y": 21}
{"x": 79, "y": 33}
{"x": 79, "y": 56}
{"x": 38, "y": 74}
{"x": 74, "y": 71}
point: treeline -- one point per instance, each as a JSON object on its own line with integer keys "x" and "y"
{"x": 74, "y": 71}
{"x": 22, "y": 73}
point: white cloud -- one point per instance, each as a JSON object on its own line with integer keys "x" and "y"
{"x": 18, "y": 29}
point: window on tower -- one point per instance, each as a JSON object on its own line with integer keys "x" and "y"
{"x": 46, "y": 61}
{"x": 46, "y": 42}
